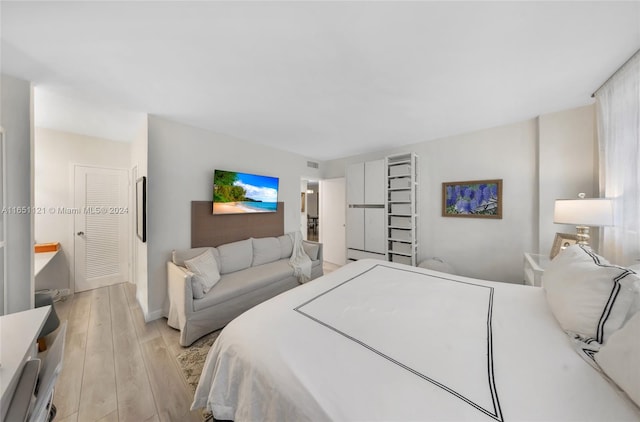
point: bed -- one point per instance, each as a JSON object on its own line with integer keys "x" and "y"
{"x": 377, "y": 341}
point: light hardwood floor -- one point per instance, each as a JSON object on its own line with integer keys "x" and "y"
{"x": 116, "y": 366}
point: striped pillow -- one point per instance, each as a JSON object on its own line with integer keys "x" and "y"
{"x": 620, "y": 358}
{"x": 587, "y": 295}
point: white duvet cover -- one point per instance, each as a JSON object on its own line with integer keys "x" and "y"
{"x": 376, "y": 341}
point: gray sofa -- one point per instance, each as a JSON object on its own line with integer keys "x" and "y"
{"x": 252, "y": 271}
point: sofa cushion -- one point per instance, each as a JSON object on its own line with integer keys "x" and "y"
{"x": 286, "y": 246}
{"x": 311, "y": 249}
{"x": 265, "y": 250}
{"x": 235, "y": 256}
{"x": 240, "y": 282}
{"x": 179, "y": 256}
{"x": 205, "y": 273}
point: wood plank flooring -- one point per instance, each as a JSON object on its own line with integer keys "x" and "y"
{"x": 116, "y": 366}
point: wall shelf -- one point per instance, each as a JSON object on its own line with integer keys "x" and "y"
{"x": 400, "y": 207}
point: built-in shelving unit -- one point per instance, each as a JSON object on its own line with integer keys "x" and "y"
{"x": 400, "y": 207}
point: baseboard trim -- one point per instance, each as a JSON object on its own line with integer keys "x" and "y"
{"x": 152, "y": 316}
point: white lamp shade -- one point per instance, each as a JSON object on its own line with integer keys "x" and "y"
{"x": 593, "y": 212}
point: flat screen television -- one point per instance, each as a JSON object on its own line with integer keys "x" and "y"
{"x": 238, "y": 193}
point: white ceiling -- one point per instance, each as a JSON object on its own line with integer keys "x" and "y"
{"x": 322, "y": 79}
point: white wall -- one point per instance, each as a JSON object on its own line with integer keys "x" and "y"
{"x": 15, "y": 118}
{"x": 486, "y": 248}
{"x": 55, "y": 154}
{"x": 569, "y": 165}
{"x": 139, "y": 151}
{"x": 181, "y": 162}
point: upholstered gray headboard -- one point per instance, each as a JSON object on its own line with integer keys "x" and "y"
{"x": 208, "y": 229}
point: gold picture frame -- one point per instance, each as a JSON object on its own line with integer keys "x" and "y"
{"x": 562, "y": 241}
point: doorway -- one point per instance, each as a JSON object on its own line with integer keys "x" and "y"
{"x": 101, "y": 223}
{"x": 312, "y": 208}
{"x": 332, "y": 230}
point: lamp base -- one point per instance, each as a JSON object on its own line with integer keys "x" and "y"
{"x": 583, "y": 235}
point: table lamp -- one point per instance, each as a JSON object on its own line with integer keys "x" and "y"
{"x": 583, "y": 213}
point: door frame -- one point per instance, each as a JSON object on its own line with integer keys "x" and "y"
{"x": 329, "y": 225}
{"x": 72, "y": 190}
{"x": 133, "y": 247}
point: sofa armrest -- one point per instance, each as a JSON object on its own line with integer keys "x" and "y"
{"x": 310, "y": 242}
{"x": 180, "y": 295}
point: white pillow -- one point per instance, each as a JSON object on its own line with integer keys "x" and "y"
{"x": 620, "y": 358}
{"x": 286, "y": 246}
{"x": 587, "y": 295}
{"x": 235, "y": 256}
{"x": 197, "y": 287}
{"x": 311, "y": 250}
{"x": 205, "y": 270}
{"x": 265, "y": 250}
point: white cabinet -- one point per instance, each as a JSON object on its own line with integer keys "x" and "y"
{"x": 355, "y": 184}
{"x": 374, "y": 238}
{"x": 374, "y": 182}
{"x": 365, "y": 229}
{"x": 365, "y": 183}
{"x": 365, "y": 210}
{"x": 401, "y": 209}
{"x": 355, "y": 228}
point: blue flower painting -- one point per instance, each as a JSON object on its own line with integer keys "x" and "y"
{"x": 482, "y": 198}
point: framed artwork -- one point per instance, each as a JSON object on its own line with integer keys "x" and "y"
{"x": 141, "y": 208}
{"x": 562, "y": 241}
{"x": 473, "y": 199}
{"x": 302, "y": 201}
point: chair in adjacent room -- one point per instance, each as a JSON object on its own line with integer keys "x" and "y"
{"x": 43, "y": 409}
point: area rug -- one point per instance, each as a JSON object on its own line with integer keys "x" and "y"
{"x": 191, "y": 360}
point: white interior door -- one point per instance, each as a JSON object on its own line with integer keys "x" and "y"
{"x": 101, "y": 227}
{"x": 333, "y": 215}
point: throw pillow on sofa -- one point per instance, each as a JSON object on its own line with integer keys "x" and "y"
{"x": 311, "y": 250}
{"x": 235, "y": 256}
{"x": 205, "y": 273}
{"x": 265, "y": 250}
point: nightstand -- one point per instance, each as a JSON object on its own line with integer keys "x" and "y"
{"x": 534, "y": 266}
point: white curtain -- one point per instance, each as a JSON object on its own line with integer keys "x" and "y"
{"x": 618, "y": 116}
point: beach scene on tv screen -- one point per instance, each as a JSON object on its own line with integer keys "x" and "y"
{"x": 235, "y": 193}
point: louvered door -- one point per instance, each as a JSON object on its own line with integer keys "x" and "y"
{"x": 101, "y": 221}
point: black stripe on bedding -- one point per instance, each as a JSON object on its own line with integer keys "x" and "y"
{"x": 615, "y": 290}
{"x": 496, "y": 412}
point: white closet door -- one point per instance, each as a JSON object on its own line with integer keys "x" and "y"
{"x": 355, "y": 228}
{"x": 101, "y": 227}
{"x": 374, "y": 235}
{"x": 355, "y": 184}
{"x": 374, "y": 182}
